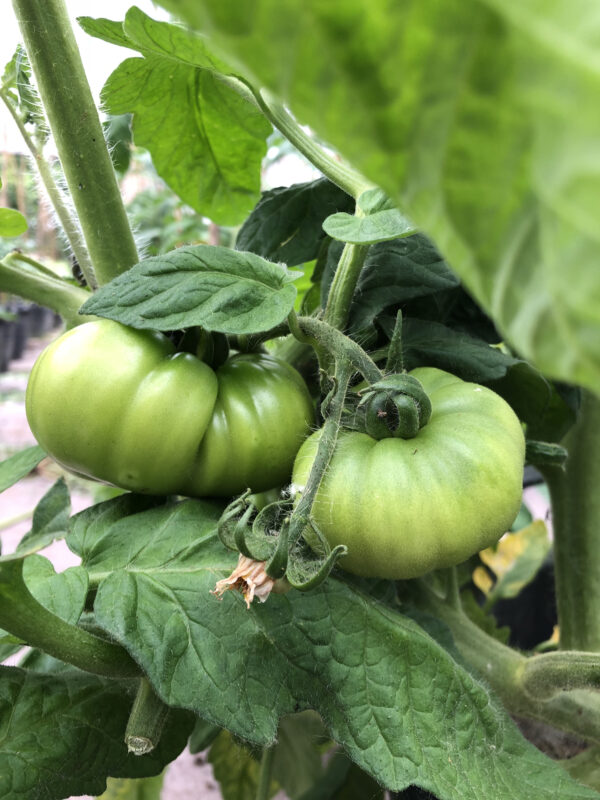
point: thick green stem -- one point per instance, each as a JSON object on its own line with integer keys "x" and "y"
{"x": 344, "y": 283}
{"x": 548, "y": 674}
{"x": 503, "y": 669}
{"x": 74, "y": 121}
{"x": 69, "y": 224}
{"x": 340, "y": 173}
{"x": 19, "y": 276}
{"x": 264, "y": 775}
{"x": 28, "y": 620}
{"x": 146, "y": 720}
{"x": 576, "y": 520}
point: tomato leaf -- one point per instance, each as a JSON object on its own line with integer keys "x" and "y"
{"x": 12, "y": 222}
{"x": 50, "y": 519}
{"x": 206, "y": 140}
{"x": 236, "y": 770}
{"x": 380, "y": 226}
{"x": 286, "y": 225}
{"x": 480, "y": 121}
{"x": 19, "y": 465}
{"x": 243, "y": 669}
{"x": 220, "y": 289}
{"x": 50, "y": 722}
{"x": 394, "y": 272}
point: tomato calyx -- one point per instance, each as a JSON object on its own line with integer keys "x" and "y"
{"x": 396, "y": 406}
{"x": 276, "y": 549}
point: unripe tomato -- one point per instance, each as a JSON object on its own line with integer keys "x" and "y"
{"x": 406, "y": 506}
{"x": 119, "y": 405}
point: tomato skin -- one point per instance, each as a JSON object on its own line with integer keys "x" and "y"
{"x": 407, "y": 506}
{"x": 119, "y": 405}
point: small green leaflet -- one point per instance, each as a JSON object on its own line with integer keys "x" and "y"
{"x": 19, "y": 465}
{"x": 12, "y": 222}
{"x": 382, "y": 226}
{"x": 219, "y": 289}
{"x": 50, "y": 519}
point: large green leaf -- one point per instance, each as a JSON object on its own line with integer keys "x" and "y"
{"x": 396, "y": 700}
{"x": 479, "y": 117}
{"x": 62, "y": 735}
{"x": 206, "y": 140}
{"x": 221, "y": 289}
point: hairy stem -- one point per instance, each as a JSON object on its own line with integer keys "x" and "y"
{"x": 340, "y": 173}
{"x": 503, "y": 669}
{"x": 344, "y": 283}
{"x": 576, "y": 521}
{"x": 548, "y": 674}
{"x": 28, "y": 620}
{"x": 69, "y": 224}
{"x": 146, "y": 720}
{"x": 264, "y": 775}
{"x": 74, "y": 121}
{"x": 340, "y": 347}
{"x": 329, "y": 433}
{"x": 19, "y": 276}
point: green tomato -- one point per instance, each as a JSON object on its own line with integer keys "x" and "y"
{"x": 119, "y": 405}
{"x": 406, "y": 506}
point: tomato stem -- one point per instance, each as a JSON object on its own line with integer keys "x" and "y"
{"x": 78, "y": 134}
{"x": 69, "y": 223}
{"x": 22, "y": 275}
{"x": 509, "y": 673}
{"x": 329, "y": 432}
{"x": 338, "y": 171}
{"x": 576, "y": 522}
{"x": 146, "y": 721}
{"x": 547, "y": 674}
{"x": 340, "y": 347}
{"x": 28, "y": 620}
{"x": 264, "y": 775}
{"x": 344, "y": 283}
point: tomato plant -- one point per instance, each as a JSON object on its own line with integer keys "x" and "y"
{"x": 446, "y": 329}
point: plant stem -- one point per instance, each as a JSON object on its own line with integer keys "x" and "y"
{"x": 40, "y": 286}
{"x": 74, "y": 121}
{"x": 340, "y": 173}
{"x": 264, "y": 775}
{"x": 344, "y": 283}
{"x": 576, "y": 520}
{"x": 146, "y": 721}
{"x": 548, "y": 674}
{"x": 340, "y": 347}
{"x": 327, "y": 441}
{"x": 70, "y": 227}
{"x": 28, "y": 620}
{"x": 503, "y": 669}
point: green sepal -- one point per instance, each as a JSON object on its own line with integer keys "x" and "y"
{"x": 396, "y": 406}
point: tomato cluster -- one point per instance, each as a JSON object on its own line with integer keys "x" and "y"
{"x": 121, "y": 406}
